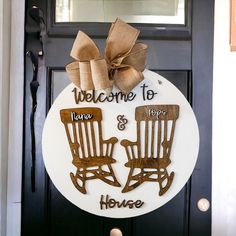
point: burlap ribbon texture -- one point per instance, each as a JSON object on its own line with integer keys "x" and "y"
{"x": 122, "y": 65}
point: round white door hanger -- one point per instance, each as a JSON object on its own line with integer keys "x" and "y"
{"x": 121, "y": 155}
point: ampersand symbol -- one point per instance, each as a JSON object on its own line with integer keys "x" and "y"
{"x": 122, "y": 121}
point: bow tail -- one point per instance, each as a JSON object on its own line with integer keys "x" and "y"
{"x": 86, "y": 81}
{"x": 126, "y": 78}
{"x": 73, "y": 72}
{"x": 89, "y": 75}
{"x": 100, "y": 76}
{"x": 80, "y": 74}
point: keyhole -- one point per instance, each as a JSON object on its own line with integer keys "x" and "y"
{"x": 115, "y": 232}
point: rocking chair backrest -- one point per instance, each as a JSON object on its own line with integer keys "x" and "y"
{"x": 155, "y": 130}
{"x": 83, "y": 130}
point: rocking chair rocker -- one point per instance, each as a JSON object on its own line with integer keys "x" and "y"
{"x": 90, "y": 152}
{"x": 150, "y": 154}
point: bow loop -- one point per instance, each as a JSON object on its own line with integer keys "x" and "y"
{"x": 137, "y": 57}
{"x": 84, "y": 48}
{"x": 120, "y": 41}
{"x": 123, "y": 62}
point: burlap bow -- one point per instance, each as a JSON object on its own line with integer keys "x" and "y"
{"x": 122, "y": 65}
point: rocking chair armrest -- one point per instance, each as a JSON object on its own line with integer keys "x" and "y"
{"x": 126, "y": 143}
{"x": 111, "y": 140}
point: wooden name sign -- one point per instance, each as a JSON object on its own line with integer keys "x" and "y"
{"x": 77, "y": 117}
{"x": 121, "y": 155}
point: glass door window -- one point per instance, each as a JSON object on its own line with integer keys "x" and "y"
{"x": 132, "y": 11}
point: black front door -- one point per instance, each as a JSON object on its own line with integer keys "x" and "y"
{"x": 183, "y": 55}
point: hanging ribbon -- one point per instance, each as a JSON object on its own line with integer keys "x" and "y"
{"x": 122, "y": 65}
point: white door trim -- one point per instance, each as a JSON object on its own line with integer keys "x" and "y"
{"x": 15, "y": 143}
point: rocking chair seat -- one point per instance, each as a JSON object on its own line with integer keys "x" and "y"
{"x": 92, "y": 161}
{"x": 151, "y": 163}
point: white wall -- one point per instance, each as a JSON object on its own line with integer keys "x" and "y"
{"x": 15, "y": 118}
{"x": 11, "y": 114}
{"x": 4, "y": 98}
{"x": 224, "y": 127}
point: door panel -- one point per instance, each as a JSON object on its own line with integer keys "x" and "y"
{"x": 65, "y": 218}
{"x": 171, "y": 219}
{"x": 182, "y": 55}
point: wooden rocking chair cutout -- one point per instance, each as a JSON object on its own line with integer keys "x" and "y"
{"x": 150, "y": 154}
{"x": 90, "y": 152}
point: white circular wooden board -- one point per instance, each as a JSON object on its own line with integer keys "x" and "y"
{"x": 58, "y": 158}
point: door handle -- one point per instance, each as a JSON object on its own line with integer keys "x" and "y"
{"x": 35, "y": 56}
{"x": 34, "y": 84}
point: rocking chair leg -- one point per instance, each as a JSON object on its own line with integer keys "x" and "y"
{"x": 75, "y": 182}
{"x": 129, "y": 187}
{"x": 108, "y": 181}
{"x": 168, "y": 184}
